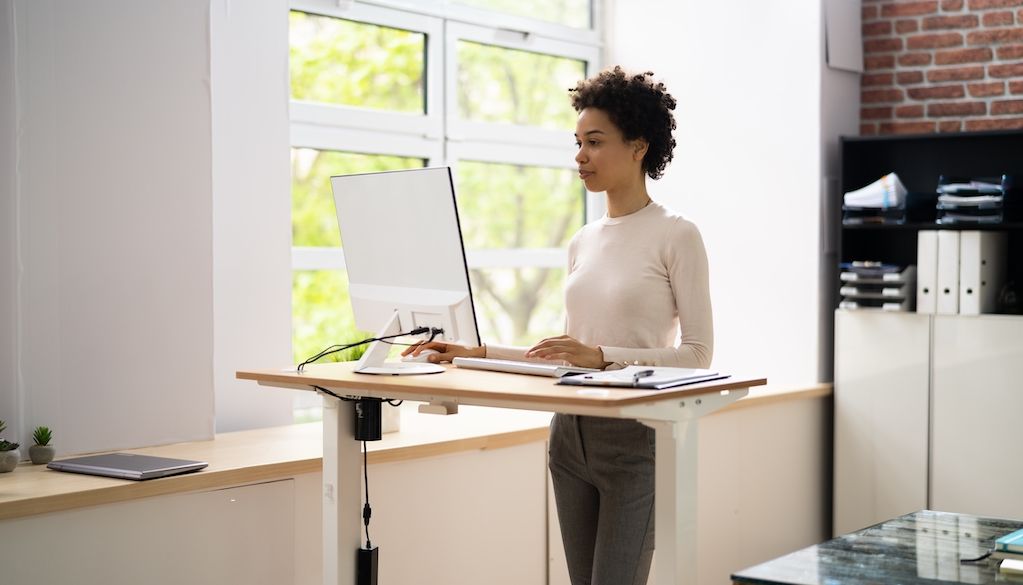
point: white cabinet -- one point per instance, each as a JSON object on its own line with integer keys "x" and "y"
{"x": 463, "y": 518}
{"x": 927, "y": 410}
{"x": 977, "y": 414}
{"x": 881, "y": 396}
{"x": 236, "y": 535}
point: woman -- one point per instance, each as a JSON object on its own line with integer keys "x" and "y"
{"x": 637, "y": 292}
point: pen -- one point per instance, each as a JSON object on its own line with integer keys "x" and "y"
{"x": 641, "y": 374}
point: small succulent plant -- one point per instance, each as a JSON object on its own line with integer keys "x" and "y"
{"x": 42, "y": 436}
{"x": 6, "y": 445}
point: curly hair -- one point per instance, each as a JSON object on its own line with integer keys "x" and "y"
{"x": 638, "y": 106}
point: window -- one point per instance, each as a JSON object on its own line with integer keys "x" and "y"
{"x": 518, "y": 287}
{"x": 342, "y": 62}
{"x": 380, "y": 88}
{"x": 574, "y": 13}
{"x": 496, "y": 84}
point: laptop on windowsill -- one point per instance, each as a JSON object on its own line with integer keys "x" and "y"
{"x": 127, "y": 466}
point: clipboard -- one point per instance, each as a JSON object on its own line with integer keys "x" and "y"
{"x": 643, "y": 377}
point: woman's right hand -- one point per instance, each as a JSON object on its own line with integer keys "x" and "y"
{"x": 446, "y": 351}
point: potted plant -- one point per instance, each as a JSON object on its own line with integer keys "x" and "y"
{"x": 9, "y": 454}
{"x": 42, "y": 451}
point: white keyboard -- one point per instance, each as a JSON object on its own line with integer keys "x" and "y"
{"x": 515, "y": 367}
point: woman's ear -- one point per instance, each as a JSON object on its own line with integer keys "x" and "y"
{"x": 639, "y": 148}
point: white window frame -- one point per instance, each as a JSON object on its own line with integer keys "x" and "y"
{"x": 429, "y": 124}
{"x": 451, "y": 11}
{"x": 459, "y": 130}
{"x": 365, "y": 142}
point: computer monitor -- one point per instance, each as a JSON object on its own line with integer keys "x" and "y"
{"x": 405, "y": 259}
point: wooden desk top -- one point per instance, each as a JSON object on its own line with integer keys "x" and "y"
{"x": 472, "y": 386}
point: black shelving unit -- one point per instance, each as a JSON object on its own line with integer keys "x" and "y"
{"x": 919, "y": 160}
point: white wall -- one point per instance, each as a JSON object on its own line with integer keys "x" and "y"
{"x": 840, "y": 116}
{"x": 747, "y": 168}
{"x": 114, "y": 222}
{"x": 251, "y": 209}
{"x": 147, "y": 184}
{"x": 8, "y": 225}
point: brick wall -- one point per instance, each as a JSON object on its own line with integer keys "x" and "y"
{"x": 941, "y": 66}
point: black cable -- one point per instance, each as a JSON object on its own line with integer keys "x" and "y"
{"x": 390, "y": 401}
{"x": 366, "y": 510}
{"x": 433, "y": 331}
{"x": 400, "y": 344}
{"x": 977, "y": 559}
{"x": 337, "y": 348}
{"x": 338, "y": 396}
{"x": 326, "y": 352}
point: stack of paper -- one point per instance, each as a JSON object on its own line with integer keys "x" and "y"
{"x": 876, "y": 285}
{"x": 645, "y": 377}
{"x": 883, "y": 201}
{"x": 965, "y": 200}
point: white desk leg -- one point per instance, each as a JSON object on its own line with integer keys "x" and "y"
{"x": 342, "y": 495}
{"x": 675, "y": 517}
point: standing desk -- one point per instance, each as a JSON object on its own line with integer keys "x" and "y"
{"x": 672, "y": 413}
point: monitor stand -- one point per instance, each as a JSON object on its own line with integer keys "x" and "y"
{"x": 372, "y": 362}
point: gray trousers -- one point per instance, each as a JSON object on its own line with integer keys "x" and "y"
{"x": 603, "y": 472}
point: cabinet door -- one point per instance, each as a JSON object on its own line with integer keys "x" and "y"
{"x": 463, "y": 518}
{"x": 237, "y": 535}
{"x": 977, "y": 415}
{"x": 881, "y": 377}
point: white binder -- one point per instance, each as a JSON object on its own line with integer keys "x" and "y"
{"x": 982, "y": 268}
{"x": 927, "y": 271}
{"x": 948, "y": 272}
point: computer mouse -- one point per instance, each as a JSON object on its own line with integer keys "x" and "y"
{"x": 423, "y": 357}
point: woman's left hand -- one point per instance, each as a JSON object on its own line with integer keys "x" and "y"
{"x": 570, "y": 350}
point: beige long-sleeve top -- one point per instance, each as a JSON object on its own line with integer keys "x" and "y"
{"x": 633, "y": 282}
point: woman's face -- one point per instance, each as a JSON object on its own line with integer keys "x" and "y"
{"x": 606, "y": 160}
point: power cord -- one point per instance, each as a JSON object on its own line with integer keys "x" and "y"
{"x": 338, "y": 396}
{"x": 368, "y": 557}
{"x": 391, "y": 401}
{"x": 367, "y": 511}
{"x": 433, "y": 331}
{"x": 977, "y": 559}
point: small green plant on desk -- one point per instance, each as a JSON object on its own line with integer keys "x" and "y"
{"x": 42, "y": 451}
{"x": 9, "y": 454}
{"x": 352, "y": 354}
